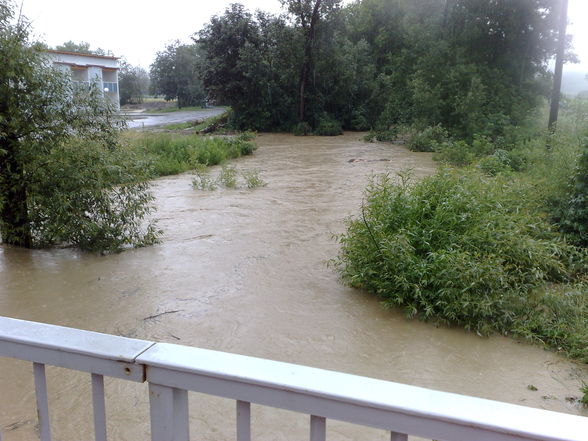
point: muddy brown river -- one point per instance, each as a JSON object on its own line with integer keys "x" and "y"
{"x": 245, "y": 271}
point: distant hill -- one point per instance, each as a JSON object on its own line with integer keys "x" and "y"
{"x": 574, "y": 82}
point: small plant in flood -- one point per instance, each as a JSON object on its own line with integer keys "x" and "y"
{"x": 584, "y": 390}
{"x": 228, "y": 176}
{"x": 203, "y": 181}
{"x": 252, "y": 178}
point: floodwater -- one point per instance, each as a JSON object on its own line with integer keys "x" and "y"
{"x": 245, "y": 271}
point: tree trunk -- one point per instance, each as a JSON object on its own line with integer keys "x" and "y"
{"x": 309, "y": 27}
{"x": 559, "y": 61}
{"x": 306, "y": 63}
{"x": 15, "y": 226}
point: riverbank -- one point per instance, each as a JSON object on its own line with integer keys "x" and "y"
{"x": 481, "y": 247}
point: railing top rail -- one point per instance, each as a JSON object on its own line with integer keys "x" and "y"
{"x": 75, "y": 341}
{"x": 465, "y": 411}
{"x": 320, "y": 392}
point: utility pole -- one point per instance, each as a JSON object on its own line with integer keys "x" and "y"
{"x": 559, "y": 61}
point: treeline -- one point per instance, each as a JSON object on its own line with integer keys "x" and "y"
{"x": 471, "y": 66}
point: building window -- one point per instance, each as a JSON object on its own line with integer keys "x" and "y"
{"x": 81, "y": 85}
{"x": 110, "y": 87}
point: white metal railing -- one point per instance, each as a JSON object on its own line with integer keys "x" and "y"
{"x": 173, "y": 370}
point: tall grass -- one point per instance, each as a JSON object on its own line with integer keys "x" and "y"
{"x": 170, "y": 153}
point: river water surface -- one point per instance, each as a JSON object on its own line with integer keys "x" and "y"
{"x": 245, "y": 271}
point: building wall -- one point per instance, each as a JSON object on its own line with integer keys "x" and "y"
{"x": 102, "y": 70}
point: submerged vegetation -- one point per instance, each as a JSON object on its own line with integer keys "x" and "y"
{"x": 173, "y": 153}
{"x": 497, "y": 246}
{"x": 229, "y": 177}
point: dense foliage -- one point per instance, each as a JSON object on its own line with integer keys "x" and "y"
{"x": 249, "y": 65}
{"x": 83, "y": 47}
{"x": 572, "y": 211}
{"x": 473, "y": 67}
{"x": 175, "y": 74}
{"x": 133, "y": 83}
{"x": 172, "y": 153}
{"x": 465, "y": 248}
{"x": 63, "y": 176}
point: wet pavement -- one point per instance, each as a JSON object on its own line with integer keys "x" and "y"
{"x": 143, "y": 120}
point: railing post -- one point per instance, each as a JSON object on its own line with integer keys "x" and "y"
{"x": 318, "y": 428}
{"x": 99, "y": 407}
{"x": 243, "y": 421}
{"x": 42, "y": 401}
{"x": 398, "y": 436}
{"x": 169, "y": 413}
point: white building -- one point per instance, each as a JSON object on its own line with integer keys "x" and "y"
{"x": 86, "y": 68}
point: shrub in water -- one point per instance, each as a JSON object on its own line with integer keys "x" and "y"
{"x": 203, "y": 181}
{"x": 428, "y": 139}
{"x": 171, "y": 153}
{"x": 389, "y": 134}
{"x": 328, "y": 126}
{"x": 301, "y": 129}
{"x": 228, "y": 176}
{"x": 359, "y": 121}
{"x": 252, "y": 179}
{"x": 458, "y": 247}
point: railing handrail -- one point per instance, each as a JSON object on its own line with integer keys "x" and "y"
{"x": 329, "y": 394}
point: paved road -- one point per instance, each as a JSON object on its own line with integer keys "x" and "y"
{"x": 143, "y": 120}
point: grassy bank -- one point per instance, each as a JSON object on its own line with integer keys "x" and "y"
{"x": 171, "y": 153}
{"x": 479, "y": 247}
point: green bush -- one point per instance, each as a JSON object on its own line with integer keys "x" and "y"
{"x": 99, "y": 200}
{"x": 170, "y": 153}
{"x": 386, "y": 134}
{"x": 252, "y": 179}
{"x": 228, "y": 176}
{"x": 498, "y": 162}
{"x": 457, "y": 153}
{"x": 327, "y": 126}
{"x": 301, "y": 129}
{"x": 461, "y": 153}
{"x": 358, "y": 121}
{"x": 574, "y": 212}
{"x": 203, "y": 181}
{"x": 462, "y": 248}
{"x": 428, "y": 139}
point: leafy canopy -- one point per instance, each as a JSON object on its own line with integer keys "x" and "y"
{"x": 64, "y": 177}
{"x": 175, "y": 74}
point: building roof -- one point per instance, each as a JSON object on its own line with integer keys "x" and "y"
{"x": 109, "y": 57}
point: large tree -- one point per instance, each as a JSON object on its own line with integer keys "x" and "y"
{"x": 83, "y": 47}
{"x": 307, "y": 15}
{"x": 133, "y": 83}
{"x": 251, "y": 64}
{"x": 475, "y": 67}
{"x": 175, "y": 74}
{"x": 63, "y": 176}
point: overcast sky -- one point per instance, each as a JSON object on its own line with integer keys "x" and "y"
{"x": 137, "y": 29}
